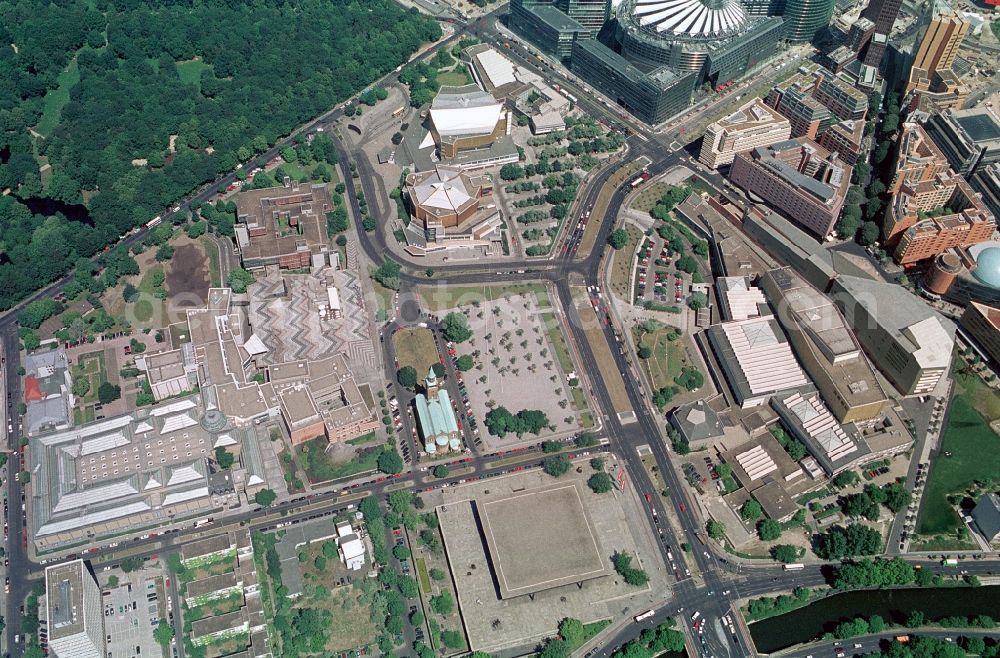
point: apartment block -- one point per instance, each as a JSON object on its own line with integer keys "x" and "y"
{"x": 814, "y": 97}
{"x": 844, "y": 100}
{"x": 926, "y": 218}
{"x": 808, "y": 117}
{"x": 918, "y": 157}
{"x": 845, "y": 139}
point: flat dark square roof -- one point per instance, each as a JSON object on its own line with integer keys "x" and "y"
{"x": 540, "y": 539}
{"x": 980, "y": 127}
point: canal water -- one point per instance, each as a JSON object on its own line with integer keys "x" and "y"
{"x": 809, "y": 623}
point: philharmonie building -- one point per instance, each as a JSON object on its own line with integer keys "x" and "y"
{"x": 658, "y": 52}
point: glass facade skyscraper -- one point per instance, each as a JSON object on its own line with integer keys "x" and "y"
{"x": 804, "y": 18}
{"x": 591, "y": 14}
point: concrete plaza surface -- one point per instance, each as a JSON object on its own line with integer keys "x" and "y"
{"x": 613, "y": 520}
{"x": 519, "y": 367}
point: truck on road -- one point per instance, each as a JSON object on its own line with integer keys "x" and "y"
{"x": 645, "y": 615}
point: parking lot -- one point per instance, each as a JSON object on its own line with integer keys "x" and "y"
{"x": 131, "y": 612}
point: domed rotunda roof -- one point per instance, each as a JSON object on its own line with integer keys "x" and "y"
{"x": 988, "y": 266}
{"x": 691, "y": 18}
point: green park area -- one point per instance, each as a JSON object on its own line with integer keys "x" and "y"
{"x": 88, "y": 374}
{"x": 319, "y": 466}
{"x": 350, "y": 621}
{"x": 456, "y": 77}
{"x": 189, "y": 71}
{"x": 969, "y": 457}
{"x": 668, "y": 357}
{"x": 55, "y": 100}
{"x": 152, "y": 117}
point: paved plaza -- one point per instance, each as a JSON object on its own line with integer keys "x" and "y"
{"x": 517, "y": 366}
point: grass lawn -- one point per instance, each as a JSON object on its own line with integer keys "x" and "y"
{"x": 149, "y": 307}
{"x": 667, "y": 360}
{"x": 364, "y": 438}
{"x": 212, "y": 253}
{"x": 456, "y": 77}
{"x": 415, "y": 347}
{"x": 970, "y": 452}
{"x": 55, "y": 100}
{"x": 320, "y": 468}
{"x": 190, "y": 71}
{"x": 649, "y": 195}
{"x": 422, "y": 576}
{"x": 995, "y": 26}
{"x": 943, "y": 543}
{"x": 592, "y": 629}
{"x": 84, "y": 415}
{"x": 621, "y": 269}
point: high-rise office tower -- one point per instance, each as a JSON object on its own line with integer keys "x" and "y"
{"x": 883, "y": 14}
{"x": 592, "y": 14}
{"x": 804, "y": 18}
{"x": 937, "y": 50}
{"x": 75, "y": 616}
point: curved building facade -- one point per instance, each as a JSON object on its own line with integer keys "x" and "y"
{"x": 715, "y": 38}
{"x": 678, "y": 33}
{"x": 804, "y": 18}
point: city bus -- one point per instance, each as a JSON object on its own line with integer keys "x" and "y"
{"x": 794, "y": 567}
{"x": 646, "y": 615}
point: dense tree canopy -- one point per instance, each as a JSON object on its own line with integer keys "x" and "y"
{"x": 455, "y": 328}
{"x": 500, "y": 421}
{"x": 226, "y": 78}
{"x": 840, "y": 542}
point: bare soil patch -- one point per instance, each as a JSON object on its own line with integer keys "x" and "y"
{"x": 188, "y": 271}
